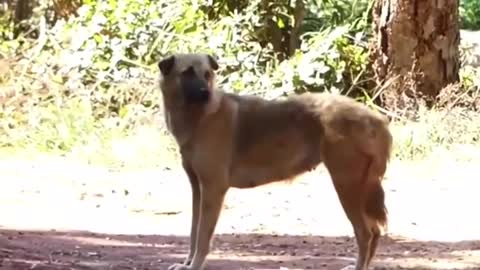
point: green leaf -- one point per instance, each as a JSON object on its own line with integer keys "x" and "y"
{"x": 280, "y": 23}
{"x": 98, "y": 38}
{"x": 123, "y": 112}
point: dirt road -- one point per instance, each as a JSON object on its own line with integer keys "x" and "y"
{"x": 56, "y": 214}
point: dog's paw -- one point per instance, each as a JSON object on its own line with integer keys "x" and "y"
{"x": 179, "y": 266}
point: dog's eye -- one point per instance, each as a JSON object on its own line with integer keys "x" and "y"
{"x": 207, "y": 75}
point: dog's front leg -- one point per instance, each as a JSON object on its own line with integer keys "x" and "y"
{"x": 195, "y": 211}
{"x": 195, "y": 185}
{"x": 212, "y": 198}
{"x": 211, "y": 202}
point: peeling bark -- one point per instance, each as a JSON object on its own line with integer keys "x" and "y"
{"x": 417, "y": 42}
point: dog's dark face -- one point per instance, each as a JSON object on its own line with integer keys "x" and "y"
{"x": 187, "y": 78}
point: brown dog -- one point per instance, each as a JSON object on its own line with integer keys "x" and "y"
{"x": 227, "y": 140}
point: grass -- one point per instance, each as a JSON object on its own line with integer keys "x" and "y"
{"x": 437, "y": 134}
{"x": 145, "y": 147}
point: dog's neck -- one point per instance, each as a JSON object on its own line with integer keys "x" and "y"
{"x": 214, "y": 102}
{"x": 194, "y": 115}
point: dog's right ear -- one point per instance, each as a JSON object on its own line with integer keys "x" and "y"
{"x": 165, "y": 65}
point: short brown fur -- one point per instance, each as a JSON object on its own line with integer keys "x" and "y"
{"x": 228, "y": 140}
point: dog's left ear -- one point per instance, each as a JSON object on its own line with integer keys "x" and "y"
{"x": 165, "y": 65}
{"x": 213, "y": 62}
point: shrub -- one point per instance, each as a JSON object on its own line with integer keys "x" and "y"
{"x": 470, "y": 14}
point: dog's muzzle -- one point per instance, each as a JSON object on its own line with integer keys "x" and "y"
{"x": 194, "y": 89}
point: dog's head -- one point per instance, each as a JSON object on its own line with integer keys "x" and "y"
{"x": 188, "y": 78}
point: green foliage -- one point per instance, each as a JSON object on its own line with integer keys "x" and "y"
{"x": 92, "y": 77}
{"x": 327, "y": 14}
{"x": 470, "y": 14}
{"x": 6, "y": 24}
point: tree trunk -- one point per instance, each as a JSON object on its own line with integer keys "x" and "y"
{"x": 415, "y": 48}
{"x": 273, "y": 34}
{"x": 282, "y": 25}
{"x": 299, "y": 14}
{"x": 23, "y": 12}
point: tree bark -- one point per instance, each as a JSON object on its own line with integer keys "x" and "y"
{"x": 66, "y": 8}
{"x": 415, "y": 48}
{"x": 272, "y": 32}
{"x": 299, "y": 14}
{"x": 23, "y": 12}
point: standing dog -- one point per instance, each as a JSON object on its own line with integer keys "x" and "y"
{"x": 226, "y": 140}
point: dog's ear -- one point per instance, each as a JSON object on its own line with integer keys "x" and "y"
{"x": 165, "y": 65}
{"x": 213, "y": 62}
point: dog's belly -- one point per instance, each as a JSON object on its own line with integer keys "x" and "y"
{"x": 263, "y": 167}
{"x": 250, "y": 177}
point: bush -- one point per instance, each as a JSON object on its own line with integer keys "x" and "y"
{"x": 470, "y": 14}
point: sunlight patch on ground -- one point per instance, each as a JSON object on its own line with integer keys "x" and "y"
{"x": 101, "y": 242}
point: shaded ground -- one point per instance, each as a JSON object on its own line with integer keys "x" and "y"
{"x": 85, "y": 250}
{"x": 56, "y": 214}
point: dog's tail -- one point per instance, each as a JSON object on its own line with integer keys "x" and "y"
{"x": 374, "y": 195}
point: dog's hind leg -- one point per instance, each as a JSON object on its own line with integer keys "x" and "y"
{"x": 347, "y": 169}
{"x": 373, "y": 245}
{"x": 363, "y": 234}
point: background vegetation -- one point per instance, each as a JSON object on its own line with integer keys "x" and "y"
{"x": 469, "y": 12}
{"x": 79, "y": 78}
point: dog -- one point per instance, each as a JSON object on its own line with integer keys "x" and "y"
{"x": 238, "y": 141}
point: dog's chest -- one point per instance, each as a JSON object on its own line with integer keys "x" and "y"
{"x": 180, "y": 126}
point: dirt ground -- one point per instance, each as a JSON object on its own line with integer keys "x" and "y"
{"x": 58, "y": 214}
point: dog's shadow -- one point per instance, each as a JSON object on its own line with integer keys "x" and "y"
{"x": 86, "y": 250}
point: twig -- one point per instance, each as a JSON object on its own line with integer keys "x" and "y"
{"x": 138, "y": 64}
{"x": 451, "y": 105}
{"x": 387, "y": 112}
{"x": 355, "y": 82}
